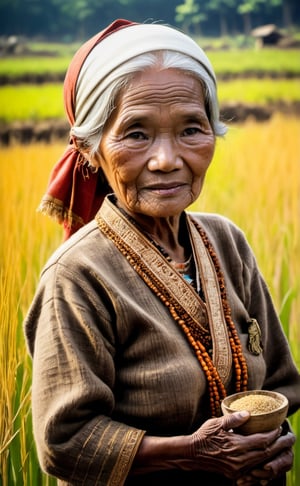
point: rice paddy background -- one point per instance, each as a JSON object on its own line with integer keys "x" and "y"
{"x": 254, "y": 180}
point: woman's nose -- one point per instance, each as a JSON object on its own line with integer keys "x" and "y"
{"x": 165, "y": 156}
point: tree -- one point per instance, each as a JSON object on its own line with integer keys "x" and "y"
{"x": 188, "y": 15}
{"x": 77, "y": 13}
{"x": 78, "y": 19}
{"x": 245, "y": 8}
{"x": 22, "y": 17}
{"x": 222, "y": 8}
{"x": 290, "y": 8}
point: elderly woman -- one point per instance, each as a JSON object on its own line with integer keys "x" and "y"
{"x": 148, "y": 316}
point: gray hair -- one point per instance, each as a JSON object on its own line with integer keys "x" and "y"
{"x": 88, "y": 134}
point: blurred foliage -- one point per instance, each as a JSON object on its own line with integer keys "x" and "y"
{"x": 78, "y": 19}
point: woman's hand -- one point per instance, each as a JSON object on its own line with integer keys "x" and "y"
{"x": 216, "y": 448}
{"x": 250, "y": 459}
{"x": 275, "y": 467}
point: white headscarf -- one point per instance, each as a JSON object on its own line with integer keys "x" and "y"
{"x": 97, "y": 71}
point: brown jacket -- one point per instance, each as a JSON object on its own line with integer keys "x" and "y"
{"x": 110, "y": 363}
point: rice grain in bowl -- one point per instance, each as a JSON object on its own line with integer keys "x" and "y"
{"x": 268, "y": 409}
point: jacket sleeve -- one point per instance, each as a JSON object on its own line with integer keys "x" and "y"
{"x": 72, "y": 387}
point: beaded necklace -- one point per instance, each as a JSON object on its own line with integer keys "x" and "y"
{"x": 239, "y": 361}
{"x": 184, "y": 268}
{"x": 199, "y": 340}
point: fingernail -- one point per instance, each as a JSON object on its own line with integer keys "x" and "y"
{"x": 243, "y": 480}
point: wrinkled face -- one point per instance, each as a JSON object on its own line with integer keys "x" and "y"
{"x": 158, "y": 144}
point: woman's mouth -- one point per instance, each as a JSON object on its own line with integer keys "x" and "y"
{"x": 169, "y": 189}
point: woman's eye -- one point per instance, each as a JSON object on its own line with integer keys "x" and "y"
{"x": 136, "y": 140}
{"x": 188, "y": 132}
{"x": 136, "y": 136}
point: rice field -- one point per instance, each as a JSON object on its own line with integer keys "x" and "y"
{"x": 254, "y": 180}
{"x": 31, "y": 102}
{"x": 230, "y": 61}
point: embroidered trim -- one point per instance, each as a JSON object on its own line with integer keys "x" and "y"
{"x": 154, "y": 263}
{"x": 239, "y": 361}
{"x": 222, "y": 356}
{"x": 181, "y": 300}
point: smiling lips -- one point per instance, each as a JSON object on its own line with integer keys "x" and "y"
{"x": 166, "y": 188}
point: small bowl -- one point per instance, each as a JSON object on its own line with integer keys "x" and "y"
{"x": 259, "y": 421}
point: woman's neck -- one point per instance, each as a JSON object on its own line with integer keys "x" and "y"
{"x": 167, "y": 233}
{"x": 167, "y": 236}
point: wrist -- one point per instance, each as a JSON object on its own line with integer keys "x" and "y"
{"x": 158, "y": 453}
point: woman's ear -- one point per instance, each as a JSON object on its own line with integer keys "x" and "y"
{"x": 95, "y": 160}
{"x": 86, "y": 153}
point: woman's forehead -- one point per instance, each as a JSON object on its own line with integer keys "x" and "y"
{"x": 161, "y": 86}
